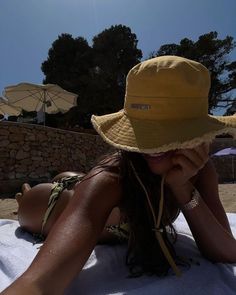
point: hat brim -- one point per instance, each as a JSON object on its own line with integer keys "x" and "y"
{"x": 147, "y": 136}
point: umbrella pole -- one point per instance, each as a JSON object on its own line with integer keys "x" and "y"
{"x": 233, "y": 168}
{"x": 44, "y": 108}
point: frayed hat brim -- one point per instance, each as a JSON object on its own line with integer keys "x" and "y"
{"x": 147, "y": 136}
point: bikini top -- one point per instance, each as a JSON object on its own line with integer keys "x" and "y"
{"x": 122, "y": 230}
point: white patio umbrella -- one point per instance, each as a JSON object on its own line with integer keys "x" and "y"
{"x": 6, "y": 109}
{"x": 50, "y": 98}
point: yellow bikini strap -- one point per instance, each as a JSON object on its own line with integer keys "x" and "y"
{"x": 157, "y": 221}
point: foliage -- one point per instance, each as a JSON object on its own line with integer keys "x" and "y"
{"x": 214, "y": 54}
{"x": 68, "y": 63}
{"x": 97, "y": 73}
{"x": 231, "y": 110}
{"x": 115, "y": 53}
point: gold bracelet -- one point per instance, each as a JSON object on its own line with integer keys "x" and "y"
{"x": 194, "y": 202}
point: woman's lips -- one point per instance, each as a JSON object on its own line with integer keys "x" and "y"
{"x": 159, "y": 156}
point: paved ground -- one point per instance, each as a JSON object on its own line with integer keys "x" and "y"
{"x": 8, "y": 206}
{"x": 228, "y": 196}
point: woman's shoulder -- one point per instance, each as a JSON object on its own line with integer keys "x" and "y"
{"x": 101, "y": 182}
{"x": 109, "y": 163}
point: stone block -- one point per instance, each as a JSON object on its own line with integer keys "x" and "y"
{"x": 16, "y": 137}
{"x": 13, "y": 146}
{"x": 37, "y": 159}
{"x": 45, "y": 164}
{"x": 13, "y": 153}
{"x": 20, "y": 175}
{"x": 33, "y": 175}
{"x": 14, "y": 129}
{"x": 40, "y": 171}
{"x": 11, "y": 175}
{"x": 21, "y": 169}
{"x": 27, "y": 162}
{"x": 30, "y": 137}
{"x": 26, "y": 148}
{"x": 20, "y": 155}
{"x": 35, "y": 153}
{"x": 4, "y": 143}
{"x": 4, "y": 132}
{"x": 4, "y": 155}
{"x": 42, "y": 137}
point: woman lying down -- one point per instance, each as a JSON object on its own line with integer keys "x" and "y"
{"x": 160, "y": 167}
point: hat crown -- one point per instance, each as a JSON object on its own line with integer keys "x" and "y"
{"x": 159, "y": 83}
{"x": 168, "y": 76}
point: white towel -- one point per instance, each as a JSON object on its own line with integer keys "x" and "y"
{"x": 105, "y": 271}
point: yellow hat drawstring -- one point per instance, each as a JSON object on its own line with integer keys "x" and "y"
{"x": 157, "y": 221}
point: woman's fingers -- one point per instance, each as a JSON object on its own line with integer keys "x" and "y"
{"x": 191, "y": 160}
{"x": 198, "y": 155}
{"x": 193, "y": 156}
{"x": 186, "y": 164}
{"x": 188, "y": 167}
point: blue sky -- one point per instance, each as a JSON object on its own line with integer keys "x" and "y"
{"x": 28, "y": 27}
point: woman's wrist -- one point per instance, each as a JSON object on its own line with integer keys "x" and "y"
{"x": 194, "y": 202}
{"x": 183, "y": 194}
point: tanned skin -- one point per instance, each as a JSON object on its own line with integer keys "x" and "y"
{"x": 73, "y": 233}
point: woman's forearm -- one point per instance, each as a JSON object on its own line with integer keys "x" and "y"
{"x": 23, "y": 286}
{"x": 213, "y": 240}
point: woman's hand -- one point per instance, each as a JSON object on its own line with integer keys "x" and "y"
{"x": 186, "y": 164}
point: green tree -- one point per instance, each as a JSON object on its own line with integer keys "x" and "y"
{"x": 214, "y": 54}
{"x": 115, "y": 53}
{"x": 231, "y": 110}
{"x": 97, "y": 74}
{"x": 68, "y": 63}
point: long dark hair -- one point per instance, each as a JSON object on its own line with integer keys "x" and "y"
{"x": 144, "y": 254}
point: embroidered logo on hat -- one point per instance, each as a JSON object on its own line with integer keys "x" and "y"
{"x": 140, "y": 106}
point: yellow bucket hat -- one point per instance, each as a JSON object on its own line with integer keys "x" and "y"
{"x": 166, "y": 107}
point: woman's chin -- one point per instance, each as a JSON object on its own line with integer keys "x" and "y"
{"x": 159, "y": 164}
{"x": 159, "y": 169}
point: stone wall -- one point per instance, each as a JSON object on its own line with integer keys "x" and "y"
{"x": 225, "y": 165}
{"x": 34, "y": 153}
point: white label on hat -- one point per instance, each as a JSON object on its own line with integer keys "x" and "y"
{"x": 140, "y": 106}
